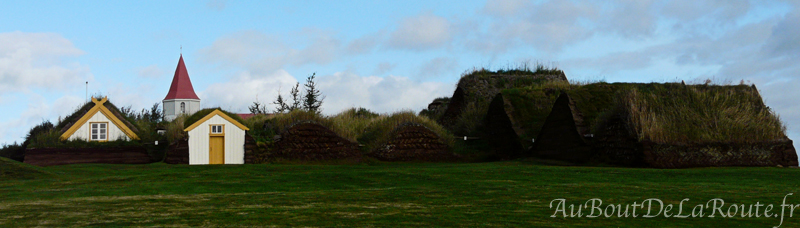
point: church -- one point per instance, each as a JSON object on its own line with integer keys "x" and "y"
{"x": 181, "y": 98}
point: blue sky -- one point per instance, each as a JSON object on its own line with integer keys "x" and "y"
{"x": 382, "y": 55}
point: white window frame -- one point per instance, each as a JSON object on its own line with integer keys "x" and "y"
{"x": 98, "y": 131}
{"x": 216, "y": 129}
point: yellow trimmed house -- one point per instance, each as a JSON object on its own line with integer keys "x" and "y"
{"x": 216, "y": 138}
{"x": 100, "y": 124}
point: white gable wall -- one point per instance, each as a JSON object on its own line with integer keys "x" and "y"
{"x": 172, "y": 108}
{"x": 198, "y": 142}
{"x": 85, "y": 131}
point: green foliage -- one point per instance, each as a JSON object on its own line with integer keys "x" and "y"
{"x": 175, "y": 128}
{"x": 673, "y": 113}
{"x": 660, "y": 112}
{"x": 14, "y": 151}
{"x": 352, "y": 122}
{"x": 312, "y": 98}
{"x": 258, "y": 130}
{"x": 380, "y": 130}
{"x": 52, "y": 139}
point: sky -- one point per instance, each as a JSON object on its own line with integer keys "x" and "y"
{"x": 386, "y": 56}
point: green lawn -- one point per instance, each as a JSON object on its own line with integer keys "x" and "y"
{"x": 499, "y": 194}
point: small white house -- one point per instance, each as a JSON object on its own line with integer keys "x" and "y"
{"x": 216, "y": 139}
{"x": 99, "y": 124}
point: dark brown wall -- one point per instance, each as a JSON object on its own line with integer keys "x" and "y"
{"x": 63, "y": 156}
{"x": 178, "y": 152}
{"x": 312, "y": 142}
{"x": 720, "y": 154}
{"x": 499, "y": 131}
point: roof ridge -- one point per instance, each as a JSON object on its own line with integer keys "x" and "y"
{"x": 181, "y": 87}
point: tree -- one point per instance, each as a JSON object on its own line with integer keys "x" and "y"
{"x": 310, "y": 100}
{"x": 295, "y": 92}
{"x": 155, "y": 113}
{"x": 282, "y": 106}
{"x": 313, "y": 97}
{"x": 259, "y": 108}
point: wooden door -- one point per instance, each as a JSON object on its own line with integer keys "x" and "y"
{"x": 216, "y": 150}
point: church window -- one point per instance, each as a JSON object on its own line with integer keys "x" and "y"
{"x": 183, "y": 107}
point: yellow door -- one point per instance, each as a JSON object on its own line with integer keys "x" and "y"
{"x": 216, "y": 150}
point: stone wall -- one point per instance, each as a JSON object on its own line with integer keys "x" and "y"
{"x": 413, "y": 142}
{"x": 178, "y": 152}
{"x": 781, "y": 153}
{"x": 63, "y": 156}
{"x": 306, "y": 141}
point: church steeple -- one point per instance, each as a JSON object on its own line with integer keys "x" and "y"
{"x": 181, "y": 98}
{"x": 181, "y": 87}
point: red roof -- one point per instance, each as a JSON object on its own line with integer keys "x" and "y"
{"x": 245, "y": 115}
{"x": 181, "y": 87}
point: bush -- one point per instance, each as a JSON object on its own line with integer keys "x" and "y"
{"x": 13, "y": 151}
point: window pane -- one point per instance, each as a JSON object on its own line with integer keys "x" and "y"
{"x": 94, "y": 137}
{"x": 102, "y": 131}
{"x": 94, "y": 131}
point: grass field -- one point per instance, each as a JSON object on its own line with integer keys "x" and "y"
{"x": 499, "y": 194}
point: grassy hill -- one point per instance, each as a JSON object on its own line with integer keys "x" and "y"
{"x": 14, "y": 170}
{"x": 499, "y": 194}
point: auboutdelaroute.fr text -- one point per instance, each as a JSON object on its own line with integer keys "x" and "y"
{"x": 654, "y": 207}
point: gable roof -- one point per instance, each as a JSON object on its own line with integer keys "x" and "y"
{"x": 219, "y": 113}
{"x": 181, "y": 87}
{"x": 100, "y": 106}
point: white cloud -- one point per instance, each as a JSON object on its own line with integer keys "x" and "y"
{"x": 422, "y": 32}
{"x": 263, "y": 54}
{"x": 240, "y": 92}
{"x": 438, "y": 67}
{"x": 152, "y": 71}
{"x": 38, "y": 109}
{"x": 381, "y": 94}
{"x": 38, "y": 60}
{"x": 365, "y": 44}
{"x": 384, "y": 67}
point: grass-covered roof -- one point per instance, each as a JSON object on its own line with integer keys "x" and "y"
{"x": 204, "y": 112}
{"x": 381, "y": 129}
{"x": 660, "y": 112}
{"x": 68, "y": 121}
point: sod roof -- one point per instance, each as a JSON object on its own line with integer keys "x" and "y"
{"x": 197, "y": 116}
{"x": 660, "y": 112}
{"x": 71, "y": 119}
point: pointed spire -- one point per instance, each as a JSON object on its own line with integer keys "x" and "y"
{"x": 181, "y": 87}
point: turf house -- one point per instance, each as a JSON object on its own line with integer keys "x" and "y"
{"x": 99, "y": 124}
{"x": 97, "y": 132}
{"x": 669, "y": 125}
{"x": 215, "y": 138}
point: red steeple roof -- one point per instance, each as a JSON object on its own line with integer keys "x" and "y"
{"x": 181, "y": 87}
